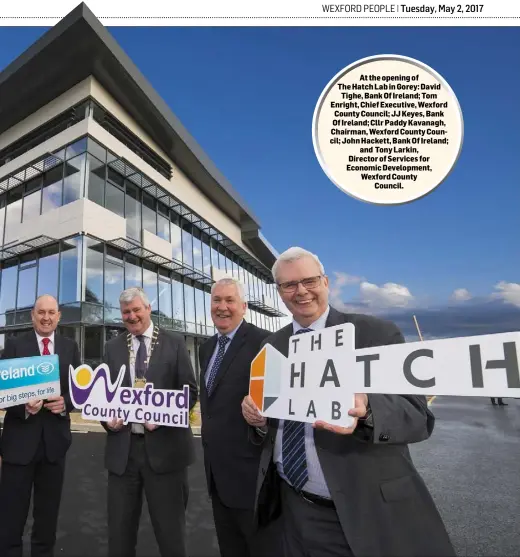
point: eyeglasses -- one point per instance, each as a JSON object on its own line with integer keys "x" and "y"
{"x": 309, "y": 283}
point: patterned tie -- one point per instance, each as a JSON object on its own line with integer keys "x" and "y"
{"x": 46, "y": 341}
{"x": 294, "y": 460}
{"x": 222, "y": 341}
{"x": 140, "y": 358}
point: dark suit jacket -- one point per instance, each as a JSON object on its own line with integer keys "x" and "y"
{"x": 168, "y": 448}
{"x": 228, "y": 456}
{"x": 384, "y": 507}
{"x": 21, "y": 436}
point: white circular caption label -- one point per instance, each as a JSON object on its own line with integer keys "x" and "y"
{"x": 387, "y": 129}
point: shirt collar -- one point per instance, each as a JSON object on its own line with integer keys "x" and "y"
{"x": 232, "y": 333}
{"x": 318, "y": 324}
{"x": 148, "y": 333}
{"x": 40, "y": 338}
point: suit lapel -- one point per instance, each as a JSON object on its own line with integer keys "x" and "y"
{"x": 124, "y": 358}
{"x": 205, "y": 356}
{"x": 234, "y": 348}
{"x": 155, "y": 356}
{"x": 58, "y": 346}
{"x": 33, "y": 347}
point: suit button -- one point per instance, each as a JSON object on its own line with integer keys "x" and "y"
{"x": 263, "y": 471}
{"x": 384, "y": 437}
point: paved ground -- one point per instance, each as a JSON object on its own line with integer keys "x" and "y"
{"x": 470, "y": 464}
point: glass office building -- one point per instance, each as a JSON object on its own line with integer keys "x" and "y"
{"x": 101, "y": 188}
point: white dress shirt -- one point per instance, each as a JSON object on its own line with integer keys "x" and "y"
{"x": 215, "y": 351}
{"x": 316, "y": 483}
{"x": 41, "y": 346}
{"x": 139, "y": 428}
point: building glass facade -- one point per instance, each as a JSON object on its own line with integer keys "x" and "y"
{"x": 87, "y": 274}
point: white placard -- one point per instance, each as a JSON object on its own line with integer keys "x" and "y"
{"x": 100, "y": 399}
{"x": 323, "y": 371}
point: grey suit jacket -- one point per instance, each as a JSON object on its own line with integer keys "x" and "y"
{"x": 383, "y": 505}
{"x": 168, "y": 448}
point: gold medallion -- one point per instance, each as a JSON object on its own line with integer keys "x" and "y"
{"x": 139, "y": 383}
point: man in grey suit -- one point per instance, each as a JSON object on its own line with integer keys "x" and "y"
{"x": 149, "y": 457}
{"x": 344, "y": 491}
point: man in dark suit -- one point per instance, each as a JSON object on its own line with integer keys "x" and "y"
{"x": 35, "y": 441}
{"x": 344, "y": 491}
{"x": 148, "y": 457}
{"x": 231, "y": 462}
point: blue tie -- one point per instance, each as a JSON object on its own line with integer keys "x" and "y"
{"x": 294, "y": 460}
{"x": 222, "y": 341}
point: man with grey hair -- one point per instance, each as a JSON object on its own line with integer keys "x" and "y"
{"x": 231, "y": 462}
{"x": 150, "y": 457}
{"x": 344, "y": 491}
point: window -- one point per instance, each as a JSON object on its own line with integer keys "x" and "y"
{"x": 163, "y": 222}
{"x": 8, "y": 286}
{"x": 206, "y": 255}
{"x": 2, "y": 217}
{"x": 197, "y": 249}
{"x": 26, "y": 282}
{"x": 113, "y": 285}
{"x": 115, "y": 199}
{"x": 32, "y": 199}
{"x": 187, "y": 246}
{"x": 133, "y": 211}
{"x": 52, "y": 188}
{"x": 94, "y": 271}
{"x": 150, "y": 286}
{"x": 70, "y": 276}
{"x": 133, "y": 272}
{"x": 14, "y": 209}
{"x": 48, "y": 271}
{"x": 189, "y": 308}
{"x": 96, "y": 180}
{"x": 176, "y": 237}
{"x": 200, "y": 311}
{"x": 178, "y": 304}
{"x": 74, "y": 178}
{"x": 165, "y": 302}
{"x": 149, "y": 215}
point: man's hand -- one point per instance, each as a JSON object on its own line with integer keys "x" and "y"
{"x": 150, "y": 427}
{"x": 34, "y": 406}
{"x": 114, "y": 424}
{"x": 251, "y": 413}
{"x": 55, "y": 404}
{"x": 359, "y": 411}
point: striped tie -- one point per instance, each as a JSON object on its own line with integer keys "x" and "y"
{"x": 294, "y": 460}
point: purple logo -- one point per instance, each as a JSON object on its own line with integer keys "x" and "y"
{"x": 83, "y": 378}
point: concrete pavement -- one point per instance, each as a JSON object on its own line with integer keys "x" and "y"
{"x": 470, "y": 465}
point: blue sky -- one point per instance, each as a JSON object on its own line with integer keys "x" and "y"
{"x": 247, "y": 95}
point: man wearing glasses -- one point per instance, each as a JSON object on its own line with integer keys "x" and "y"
{"x": 344, "y": 491}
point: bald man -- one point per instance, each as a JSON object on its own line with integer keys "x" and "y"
{"x": 35, "y": 441}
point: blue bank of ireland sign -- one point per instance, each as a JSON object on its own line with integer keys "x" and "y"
{"x": 25, "y": 379}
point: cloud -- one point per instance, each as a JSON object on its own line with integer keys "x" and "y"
{"x": 508, "y": 292}
{"x": 338, "y": 282}
{"x": 498, "y": 312}
{"x": 388, "y": 295}
{"x": 461, "y": 295}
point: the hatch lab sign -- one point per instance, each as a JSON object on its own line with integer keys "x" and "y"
{"x": 318, "y": 379}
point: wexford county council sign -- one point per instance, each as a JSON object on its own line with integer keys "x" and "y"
{"x": 323, "y": 371}
{"x": 93, "y": 392}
